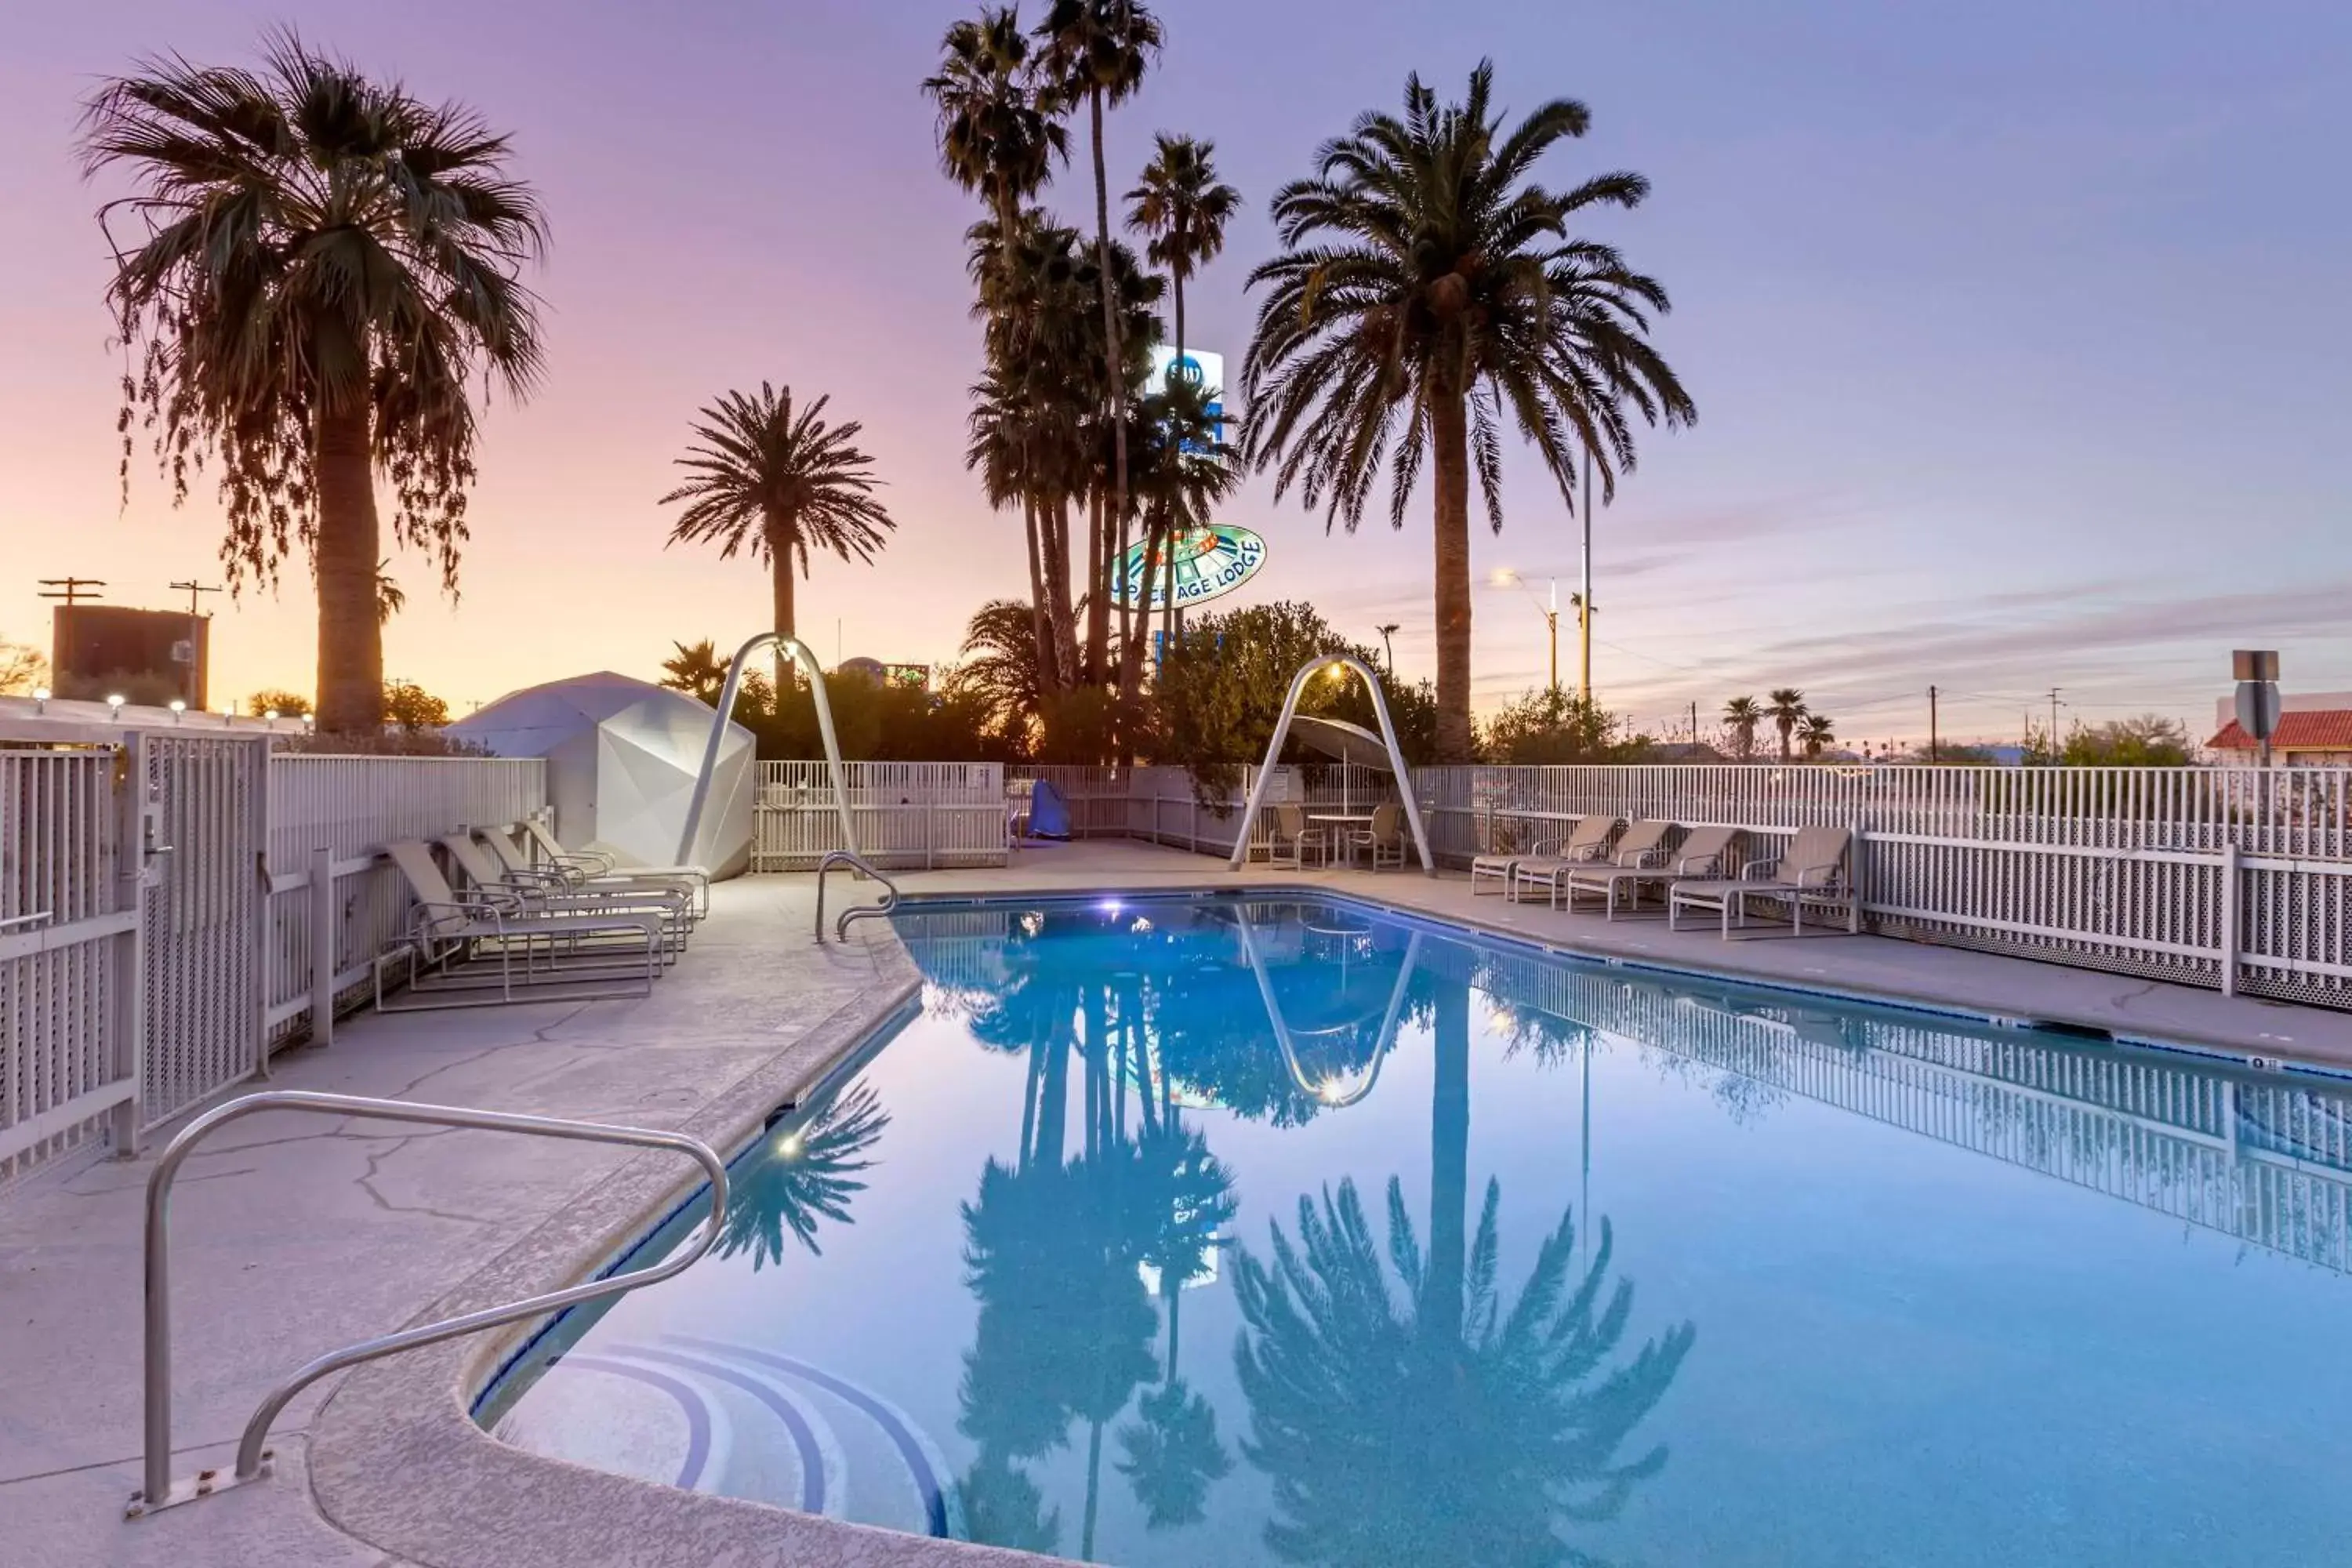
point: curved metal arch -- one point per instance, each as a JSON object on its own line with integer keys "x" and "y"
{"x": 1308, "y": 672}
{"x": 805, "y": 657}
{"x": 1287, "y": 1044}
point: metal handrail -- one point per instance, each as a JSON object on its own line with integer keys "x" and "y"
{"x": 855, "y": 911}
{"x": 252, "y": 1459}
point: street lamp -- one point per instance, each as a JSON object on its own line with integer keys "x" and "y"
{"x": 1548, "y": 607}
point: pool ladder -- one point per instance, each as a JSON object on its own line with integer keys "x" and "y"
{"x": 855, "y": 911}
{"x": 253, "y": 1460}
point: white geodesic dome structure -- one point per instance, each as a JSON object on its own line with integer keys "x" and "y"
{"x": 622, "y": 756}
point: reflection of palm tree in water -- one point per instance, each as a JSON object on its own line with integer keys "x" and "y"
{"x": 1444, "y": 1428}
{"x": 1171, "y": 1454}
{"x": 809, "y": 1173}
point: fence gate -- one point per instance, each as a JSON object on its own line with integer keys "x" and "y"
{"x": 129, "y": 906}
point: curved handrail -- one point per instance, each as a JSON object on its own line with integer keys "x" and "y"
{"x": 855, "y": 911}
{"x": 800, "y": 653}
{"x": 1308, "y": 672}
{"x": 251, "y": 1456}
{"x": 1320, "y": 1092}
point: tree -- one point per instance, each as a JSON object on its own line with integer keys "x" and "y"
{"x": 1743, "y": 714}
{"x": 412, "y": 708}
{"x": 1547, "y": 725}
{"x": 274, "y": 700}
{"x": 1184, "y": 207}
{"x": 1816, "y": 730}
{"x": 389, "y": 598}
{"x": 773, "y": 482}
{"x": 1185, "y": 467}
{"x": 327, "y": 266}
{"x": 1097, "y": 50}
{"x": 1000, "y": 667}
{"x": 22, "y": 668}
{"x": 2149, "y": 741}
{"x": 697, "y": 670}
{"x": 808, "y": 1174}
{"x": 1427, "y": 285}
{"x": 1785, "y": 709}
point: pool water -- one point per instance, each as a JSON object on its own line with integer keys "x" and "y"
{"x": 1263, "y": 1231}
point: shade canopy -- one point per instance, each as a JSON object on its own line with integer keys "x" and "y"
{"x": 1341, "y": 741}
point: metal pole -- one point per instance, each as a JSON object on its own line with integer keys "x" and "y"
{"x": 1584, "y": 605}
{"x": 1282, "y": 732}
{"x": 718, "y": 734}
{"x": 323, "y": 922}
{"x": 1551, "y": 620}
{"x": 1934, "y": 751}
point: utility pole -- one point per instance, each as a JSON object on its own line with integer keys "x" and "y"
{"x": 1551, "y": 620}
{"x": 1693, "y": 725}
{"x": 2053, "y": 725}
{"x": 1584, "y": 599}
{"x": 1934, "y": 752}
{"x": 72, "y": 590}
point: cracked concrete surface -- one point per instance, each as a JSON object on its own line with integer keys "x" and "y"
{"x": 294, "y": 1235}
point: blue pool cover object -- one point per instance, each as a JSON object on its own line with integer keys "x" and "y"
{"x": 1049, "y": 813}
{"x": 1269, "y": 1230}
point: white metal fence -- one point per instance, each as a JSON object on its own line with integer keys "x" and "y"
{"x": 173, "y": 905}
{"x": 2239, "y": 877}
{"x": 904, "y": 814}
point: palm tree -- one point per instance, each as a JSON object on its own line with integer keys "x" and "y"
{"x": 808, "y": 1173}
{"x": 1786, "y": 708}
{"x": 773, "y": 482}
{"x": 326, "y": 267}
{"x": 1185, "y": 469}
{"x": 1184, "y": 207}
{"x": 389, "y": 599}
{"x": 1743, "y": 714}
{"x": 1097, "y": 50}
{"x": 1425, "y": 286}
{"x": 1000, "y": 665}
{"x": 1816, "y": 730}
{"x": 695, "y": 669}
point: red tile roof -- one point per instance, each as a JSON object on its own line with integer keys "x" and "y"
{"x": 2317, "y": 729}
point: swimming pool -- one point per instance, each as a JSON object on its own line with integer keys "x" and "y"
{"x": 1253, "y": 1231}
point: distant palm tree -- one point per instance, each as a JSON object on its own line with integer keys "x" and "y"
{"x": 1096, "y": 51}
{"x": 697, "y": 670}
{"x": 1787, "y": 707}
{"x": 1743, "y": 714}
{"x": 1816, "y": 730}
{"x": 389, "y": 599}
{"x": 809, "y": 1174}
{"x": 1000, "y": 665}
{"x": 773, "y": 482}
{"x": 326, "y": 269}
{"x": 1426, "y": 289}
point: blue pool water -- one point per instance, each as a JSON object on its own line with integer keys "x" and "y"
{"x": 1252, "y": 1233}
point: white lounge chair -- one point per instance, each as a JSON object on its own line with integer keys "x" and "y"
{"x": 1812, "y": 872}
{"x": 488, "y": 949}
{"x": 597, "y": 863}
{"x": 519, "y": 865}
{"x": 1640, "y": 849}
{"x": 1584, "y": 844}
{"x": 550, "y": 895}
{"x": 1500, "y": 863}
{"x": 1700, "y": 856}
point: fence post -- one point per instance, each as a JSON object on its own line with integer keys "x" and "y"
{"x": 128, "y": 1002}
{"x": 2231, "y": 873}
{"x": 323, "y": 923}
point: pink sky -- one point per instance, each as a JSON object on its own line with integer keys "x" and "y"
{"x": 2019, "y": 341}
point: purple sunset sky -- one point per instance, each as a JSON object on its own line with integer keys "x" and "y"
{"x": 2019, "y": 334}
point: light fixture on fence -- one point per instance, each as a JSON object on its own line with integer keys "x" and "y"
{"x": 178, "y": 707}
{"x": 114, "y": 700}
{"x": 40, "y": 700}
{"x": 271, "y": 715}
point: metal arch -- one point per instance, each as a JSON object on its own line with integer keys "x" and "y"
{"x": 252, "y": 1457}
{"x": 805, "y": 657}
{"x": 1308, "y": 672}
{"x": 1288, "y": 1046}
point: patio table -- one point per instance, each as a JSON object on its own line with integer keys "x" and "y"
{"x": 1340, "y": 822}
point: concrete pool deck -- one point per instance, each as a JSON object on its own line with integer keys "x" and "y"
{"x": 294, "y": 1233}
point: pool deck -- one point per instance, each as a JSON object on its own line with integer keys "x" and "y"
{"x": 298, "y": 1233}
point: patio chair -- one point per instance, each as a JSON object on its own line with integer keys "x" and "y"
{"x": 1384, "y": 837}
{"x": 519, "y": 867}
{"x": 460, "y": 947}
{"x": 1584, "y": 844}
{"x": 1290, "y": 825}
{"x": 1700, "y": 856}
{"x": 1499, "y": 863}
{"x": 596, "y": 862}
{"x": 546, "y": 892}
{"x": 1814, "y": 871}
{"x": 1641, "y": 850}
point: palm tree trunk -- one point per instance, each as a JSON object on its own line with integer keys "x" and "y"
{"x": 1048, "y": 679}
{"x": 780, "y": 594}
{"x": 1130, "y": 666}
{"x": 1440, "y": 1310}
{"x": 351, "y": 637}
{"x": 1450, "y": 453}
{"x": 1094, "y": 1489}
{"x": 1059, "y": 614}
{"x": 1116, "y": 353}
{"x": 1097, "y": 588}
{"x": 1174, "y": 1290}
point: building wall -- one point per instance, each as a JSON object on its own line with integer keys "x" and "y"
{"x": 96, "y": 641}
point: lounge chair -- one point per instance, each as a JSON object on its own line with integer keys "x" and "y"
{"x": 459, "y": 947}
{"x": 1500, "y": 863}
{"x": 547, "y": 893}
{"x": 1290, "y": 825}
{"x": 1585, "y": 843}
{"x": 1814, "y": 871}
{"x": 596, "y": 862}
{"x": 1700, "y": 856}
{"x": 519, "y": 867}
{"x": 1384, "y": 837}
{"x": 1640, "y": 852}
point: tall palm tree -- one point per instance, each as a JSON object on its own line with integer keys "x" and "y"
{"x": 326, "y": 267}
{"x": 695, "y": 669}
{"x": 1000, "y": 664}
{"x": 1184, "y": 207}
{"x": 1097, "y": 50}
{"x": 1785, "y": 708}
{"x": 1816, "y": 730}
{"x": 1743, "y": 714}
{"x": 773, "y": 481}
{"x": 1186, "y": 468}
{"x": 1426, "y": 286}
